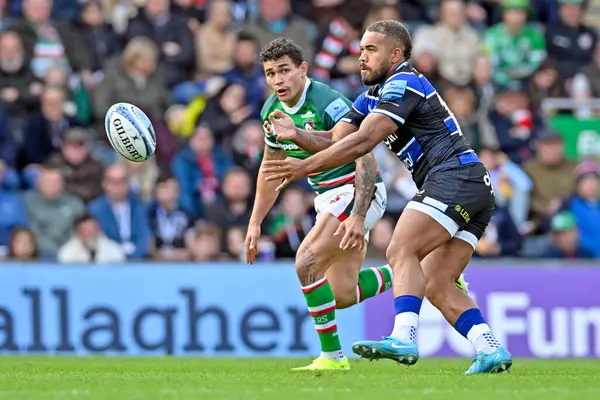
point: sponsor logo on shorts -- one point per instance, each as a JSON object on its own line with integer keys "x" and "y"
{"x": 463, "y": 213}
{"x": 337, "y": 198}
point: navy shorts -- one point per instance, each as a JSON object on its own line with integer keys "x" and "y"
{"x": 461, "y": 199}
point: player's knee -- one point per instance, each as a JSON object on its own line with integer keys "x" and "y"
{"x": 399, "y": 251}
{"x": 307, "y": 266}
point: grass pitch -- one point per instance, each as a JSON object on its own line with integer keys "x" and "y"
{"x": 221, "y": 378}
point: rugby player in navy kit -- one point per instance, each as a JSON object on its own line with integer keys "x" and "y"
{"x": 440, "y": 227}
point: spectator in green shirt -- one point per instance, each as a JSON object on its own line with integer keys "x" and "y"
{"x": 516, "y": 49}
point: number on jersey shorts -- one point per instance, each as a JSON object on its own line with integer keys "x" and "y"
{"x": 461, "y": 199}
{"x": 339, "y": 203}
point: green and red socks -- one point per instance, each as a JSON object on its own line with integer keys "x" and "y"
{"x": 373, "y": 281}
{"x": 321, "y": 307}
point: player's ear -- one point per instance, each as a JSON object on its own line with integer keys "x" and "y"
{"x": 397, "y": 55}
{"x": 304, "y": 68}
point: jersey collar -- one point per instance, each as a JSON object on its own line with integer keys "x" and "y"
{"x": 300, "y": 103}
{"x": 404, "y": 64}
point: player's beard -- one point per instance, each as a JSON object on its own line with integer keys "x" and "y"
{"x": 377, "y": 76}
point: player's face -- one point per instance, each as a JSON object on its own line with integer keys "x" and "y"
{"x": 375, "y": 58}
{"x": 285, "y": 79}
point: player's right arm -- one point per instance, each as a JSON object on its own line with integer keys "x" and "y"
{"x": 265, "y": 198}
{"x": 314, "y": 141}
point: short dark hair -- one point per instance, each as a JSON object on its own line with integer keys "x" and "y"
{"x": 396, "y": 31}
{"x": 280, "y": 48}
{"x": 164, "y": 176}
{"x": 84, "y": 217}
{"x": 247, "y": 37}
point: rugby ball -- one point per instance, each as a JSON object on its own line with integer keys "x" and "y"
{"x": 130, "y": 132}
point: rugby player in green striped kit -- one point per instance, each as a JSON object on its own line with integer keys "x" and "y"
{"x": 350, "y": 200}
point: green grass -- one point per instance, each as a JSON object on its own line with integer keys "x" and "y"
{"x": 221, "y": 378}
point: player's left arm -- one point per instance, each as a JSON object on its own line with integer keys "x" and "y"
{"x": 373, "y": 130}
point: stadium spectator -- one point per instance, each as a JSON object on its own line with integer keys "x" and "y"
{"x": 44, "y": 132}
{"x": 215, "y": 41}
{"x": 501, "y": 238}
{"x": 482, "y": 85}
{"x": 235, "y": 205}
{"x": 570, "y": 42}
{"x": 142, "y": 177}
{"x": 20, "y": 90}
{"x": 22, "y": 246}
{"x": 248, "y": 147}
{"x": 248, "y": 72}
{"x": 121, "y": 215}
{"x": 552, "y": 176}
{"x": 8, "y": 146}
{"x": 462, "y": 103}
{"x": 291, "y": 223}
{"x": 226, "y": 112}
{"x": 200, "y": 167}
{"x": 49, "y": 42}
{"x": 172, "y": 228}
{"x": 51, "y": 211}
{"x": 207, "y": 243}
{"x": 338, "y": 48}
{"x": 565, "y": 241}
{"x": 515, "y": 125}
{"x": 425, "y": 61}
{"x": 275, "y": 20}
{"x": 99, "y": 37}
{"x": 585, "y": 205}
{"x": 82, "y": 173}
{"x": 457, "y": 43}
{"x": 544, "y": 83}
{"x": 194, "y": 10}
{"x": 172, "y": 37}
{"x": 235, "y": 242}
{"x": 89, "y": 245}
{"x": 586, "y": 84}
{"x": 511, "y": 185}
{"x": 516, "y": 48}
{"x": 12, "y": 213}
{"x": 133, "y": 77}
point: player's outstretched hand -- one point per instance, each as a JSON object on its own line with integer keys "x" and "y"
{"x": 251, "y": 244}
{"x": 353, "y": 229}
{"x": 290, "y": 170}
{"x": 282, "y": 126}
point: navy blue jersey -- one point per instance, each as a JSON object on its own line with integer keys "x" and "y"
{"x": 428, "y": 135}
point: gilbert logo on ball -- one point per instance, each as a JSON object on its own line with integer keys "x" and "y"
{"x": 130, "y": 132}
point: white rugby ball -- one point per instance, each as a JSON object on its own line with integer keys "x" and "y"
{"x": 130, "y": 132}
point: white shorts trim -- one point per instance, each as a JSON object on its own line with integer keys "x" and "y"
{"x": 467, "y": 237}
{"x": 435, "y": 213}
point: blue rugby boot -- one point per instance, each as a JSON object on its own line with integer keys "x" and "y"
{"x": 402, "y": 352}
{"x": 496, "y": 362}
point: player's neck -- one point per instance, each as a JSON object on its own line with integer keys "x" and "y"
{"x": 393, "y": 70}
{"x": 514, "y": 30}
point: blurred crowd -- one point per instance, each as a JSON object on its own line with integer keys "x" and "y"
{"x": 192, "y": 66}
